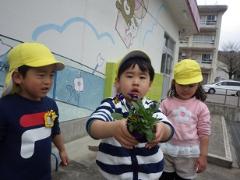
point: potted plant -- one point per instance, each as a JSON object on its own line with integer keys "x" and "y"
{"x": 140, "y": 121}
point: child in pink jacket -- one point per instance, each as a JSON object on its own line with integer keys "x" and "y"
{"x": 185, "y": 154}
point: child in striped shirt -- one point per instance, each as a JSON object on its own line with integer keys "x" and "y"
{"x": 120, "y": 155}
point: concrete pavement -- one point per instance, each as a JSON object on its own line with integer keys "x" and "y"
{"x": 221, "y": 158}
{"x": 87, "y": 170}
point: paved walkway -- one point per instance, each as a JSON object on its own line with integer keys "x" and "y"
{"x": 83, "y": 167}
{"x": 234, "y": 129}
{"x": 87, "y": 170}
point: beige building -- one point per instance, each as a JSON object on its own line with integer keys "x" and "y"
{"x": 203, "y": 46}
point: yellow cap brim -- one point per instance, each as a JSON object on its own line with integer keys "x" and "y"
{"x": 189, "y": 80}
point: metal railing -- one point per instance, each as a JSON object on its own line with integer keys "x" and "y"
{"x": 225, "y": 97}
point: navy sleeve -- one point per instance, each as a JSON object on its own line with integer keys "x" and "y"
{"x": 3, "y": 129}
{"x": 3, "y": 125}
{"x": 56, "y": 127}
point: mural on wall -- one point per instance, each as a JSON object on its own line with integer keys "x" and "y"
{"x": 79, "y": 88}
{"x": 71, "y": 85}
{"x": 154, "y": 23}
{"x": 61, "y": 28}
{"x": 100, "y": 61}
{"x": 41, "y": 30}
{"x": 4, "y": 48}
{"x": 74, "y": 85}
{"x": 129, "y": 19}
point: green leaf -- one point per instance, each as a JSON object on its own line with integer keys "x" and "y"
{"x": 149, "y": 135}
{"x": 136, "y": 105}
{"x": 140, "y": 119}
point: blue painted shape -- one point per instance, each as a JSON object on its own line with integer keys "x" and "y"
{"x": 3, "y": 68}
{"x": 151, "y": 27}
{"x": 148, "y": 32}
{"x": 61, "y": 28}
{"x": 89, "y": 98}
{"x": 2, "y": 77}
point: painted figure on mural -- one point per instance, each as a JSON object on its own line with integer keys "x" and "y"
{"x": 130, "y": 15}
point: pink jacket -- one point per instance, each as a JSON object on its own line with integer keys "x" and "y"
{"x": 190, "y": 118}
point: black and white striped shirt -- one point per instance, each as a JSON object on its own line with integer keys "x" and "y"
{"x": 117, "y": 162}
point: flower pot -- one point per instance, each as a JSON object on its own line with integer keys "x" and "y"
{"x": 138, "y": 136}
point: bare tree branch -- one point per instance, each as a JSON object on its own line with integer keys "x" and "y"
{"x": 230, "y": 56}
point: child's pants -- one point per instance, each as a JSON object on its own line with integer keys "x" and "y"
{"x": 184, "y": 167}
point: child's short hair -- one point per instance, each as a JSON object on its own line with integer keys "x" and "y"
{"x": 30, "y": 54}
{"x": 23, "y": 70}
{"x": 139, "y": 58}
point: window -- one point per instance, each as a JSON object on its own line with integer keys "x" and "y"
{"x": 211, "y": 19}
{"x": 233, "y": 84}
{"x": 208, "y": 20}
{"x": 169, "y": 43}
{"x": 207, "y": 58}
{"x": 209, "y": 39}
{"x": 229, "y": 83}
{"x": 167, "y": 56}
{"x": 223, "y": 83}
{"x": 182, "y": 55}
{"x": 166, "y": 63}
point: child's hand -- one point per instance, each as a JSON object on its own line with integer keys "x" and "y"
{"x": 160, "y": 131}
{"x": 122, "y": 135}
{"x": 64, "y": 157}
{"x": 201, "y": 163}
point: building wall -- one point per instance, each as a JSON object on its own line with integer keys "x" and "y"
{"x": 206, "y": 41}
{"x": 86, "y": 35}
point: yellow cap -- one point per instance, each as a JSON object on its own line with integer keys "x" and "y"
{"x": 187, "y": 71}
{"x": 30, "y": 54}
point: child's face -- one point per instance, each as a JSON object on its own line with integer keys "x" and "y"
{"x": 37, "y": 82}
{"x": 133, "y": 81}
{"x": 186, "y": 91}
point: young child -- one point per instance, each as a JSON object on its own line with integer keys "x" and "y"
{"x": 186, "y": 153}
{"x": 28, "y": 118}
{"x": 120, "y": 156}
